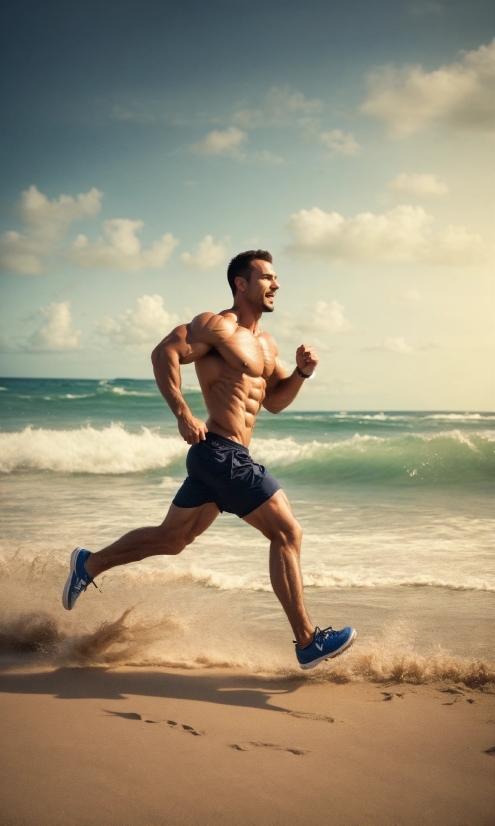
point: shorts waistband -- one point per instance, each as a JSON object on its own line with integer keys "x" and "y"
{"x": 224, "y": 442}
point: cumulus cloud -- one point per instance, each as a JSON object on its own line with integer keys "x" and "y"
{"x": 208, "y": 255}
{"x": 420, "y": 184}
{"x": 268, "y": 157}
{"x": 46, "y": 223}
{"x": 281, "y": 107}
{"x": 55, "y": 333}
{"x": 393, "y": 345}
{"x": 461, "y": 94}
{"x": 226, "y": 142}
{"x": 147, "y": 323}
{"x": 339, "y": 143}
{"x": 320, "y": 318}
{"x": 120, "y": 248}
{"x": 401, "y": 234}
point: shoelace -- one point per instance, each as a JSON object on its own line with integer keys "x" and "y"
{"x": 84, "y": 585}
{"x": 320, "y": 635}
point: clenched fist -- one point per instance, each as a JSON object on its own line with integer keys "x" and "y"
{"x": 192, "y": 430}
{"x": 306, "y": 359}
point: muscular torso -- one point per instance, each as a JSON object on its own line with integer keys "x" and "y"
{"x": 233, "y": 376}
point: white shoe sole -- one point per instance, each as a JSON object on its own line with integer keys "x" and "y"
{"x": 65, "y": 592}
{"x": 336, "y": 653}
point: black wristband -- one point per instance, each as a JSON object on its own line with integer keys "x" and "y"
{"x": 303, "y": 375}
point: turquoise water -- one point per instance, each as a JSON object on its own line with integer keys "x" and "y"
{"x": 396, "y": 506}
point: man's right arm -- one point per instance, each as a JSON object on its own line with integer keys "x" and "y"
{"x": 179, "y": 347}
{"x": 184, "y": 345}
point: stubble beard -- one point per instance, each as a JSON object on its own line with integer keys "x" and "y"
{"x": 267, "y": 308}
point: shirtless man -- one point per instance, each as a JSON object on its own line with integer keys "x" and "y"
{"x": 239, "y": 371}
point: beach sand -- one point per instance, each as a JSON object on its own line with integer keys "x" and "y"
{"x": 146, "y": 747}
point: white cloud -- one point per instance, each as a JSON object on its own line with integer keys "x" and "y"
{"x": 268, "y": 157}
{"x": 420, "y": 184}
{"x": 425, "y": 9}
{"x": 326, "y": 318}
{"x": 401, "y": 234}
{"x": 393, "y": 345}
{"x": 55, "y": 334}
{"x": 222, "y": 142}
{"x": 461, "y": 94}
{"x": 340, "y": 143}
{"x": 147, "y": 323}
{"x": 410, "y": 297}
{"x": 121, "y": 248}
{"x": 46, "y": 223}
{"x": 320, "y": 318}
{"x": 208, "y": 255}
{"x": 281, "y": 107}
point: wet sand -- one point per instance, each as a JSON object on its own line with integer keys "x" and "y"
{"x": 156, "y": 747}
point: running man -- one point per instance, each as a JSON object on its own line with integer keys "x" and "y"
{"x": 239, "y": 371}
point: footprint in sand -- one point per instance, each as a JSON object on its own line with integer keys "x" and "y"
{"x": 274, "y": 746}
{"x": 132, "y": 715}
{"x": 126, "y": 715}
{"x": 308, "y": 715}
{"x": 184, "y": 727}
{"x": 490, "y": 751}
{"x": 388, "y": 696}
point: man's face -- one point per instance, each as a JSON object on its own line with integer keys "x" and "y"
{"x": 262, "y": 286}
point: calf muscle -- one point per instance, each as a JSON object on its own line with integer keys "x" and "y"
{"x": 180, "y": 528}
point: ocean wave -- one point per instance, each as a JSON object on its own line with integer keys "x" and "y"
{"x": 121, "y": 391}
{"x": 136, "y": 641}
{"x": 148, "y": 575}
{"x": 445, "y": 457}
{"x": 111, "y": 450}
{"x": 159, "y": 575}
{"x": 461, "y": 417}
{"x": 449, "y": 456}
{"x": 208, "y": 578}
{"x": 75, "y": 396}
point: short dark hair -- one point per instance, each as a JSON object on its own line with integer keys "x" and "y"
{"x": 241, "y": 265}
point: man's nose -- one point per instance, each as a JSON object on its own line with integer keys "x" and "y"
{"x": 275, "y": 286}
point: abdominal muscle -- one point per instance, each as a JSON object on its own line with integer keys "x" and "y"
{"x": 233, "y": 399}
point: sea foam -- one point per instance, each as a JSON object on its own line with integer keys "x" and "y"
{"x": 110, "y": 450}
{"x": 445, "y": 457}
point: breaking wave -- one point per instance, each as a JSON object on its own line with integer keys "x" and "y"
{"x": 147, "y": 575}
{"x": 110, "y": 450}
{"x": 450, "y": 456}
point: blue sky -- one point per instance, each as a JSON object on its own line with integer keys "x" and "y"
{"x": 147, "y": 143}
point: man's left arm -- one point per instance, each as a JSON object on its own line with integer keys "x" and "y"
{"x": 281, "y": 390}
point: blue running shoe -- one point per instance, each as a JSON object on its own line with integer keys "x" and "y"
{"x": 78, "y": 579}
{"x": 326, "y": 644}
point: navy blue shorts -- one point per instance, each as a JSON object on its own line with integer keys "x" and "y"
{"x": 222, "y": 471}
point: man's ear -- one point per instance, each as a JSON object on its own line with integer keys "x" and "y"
{"x": 240, "y": 283}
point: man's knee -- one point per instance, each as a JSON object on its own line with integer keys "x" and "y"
{"x": 172, "y": 541}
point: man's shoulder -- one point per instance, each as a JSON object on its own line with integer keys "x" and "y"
{"x": 213, "y": 328}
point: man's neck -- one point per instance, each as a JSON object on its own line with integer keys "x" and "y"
{"x": 247, "y": 317}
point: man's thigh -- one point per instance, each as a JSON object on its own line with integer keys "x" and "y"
{"x": 273, "y": 516}
{"x": 188, "y": 523}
